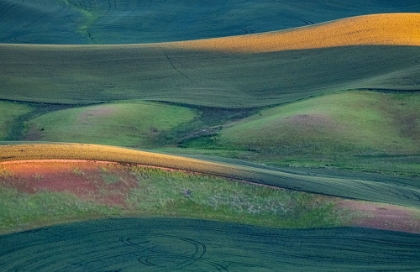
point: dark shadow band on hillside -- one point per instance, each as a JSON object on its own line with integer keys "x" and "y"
{"x": 208, "y": 121}
{"x": 94, "y": 74}
{"x": 379, "y": 90}
{"x": 17, "y": 127}
{"x": 49, "y": 104}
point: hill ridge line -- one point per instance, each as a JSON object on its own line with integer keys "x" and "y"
{"x": 401, "y": 29}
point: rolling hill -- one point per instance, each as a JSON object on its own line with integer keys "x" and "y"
{"x": 175, "y": 72}
{"x": 281, "y": 114}
{"x": 128, "y": 21}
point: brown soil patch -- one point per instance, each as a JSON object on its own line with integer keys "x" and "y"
{"x": 104, "y": 183}
{"x": 383, "y": 216}
{"x": 377, "y": 29}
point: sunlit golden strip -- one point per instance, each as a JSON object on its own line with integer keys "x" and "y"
{"x": 378, "y": 29}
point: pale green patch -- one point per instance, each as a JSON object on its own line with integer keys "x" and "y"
{"x": 361, "y": 130}
{"x": 356, "y": 130}
{"x": 133, "y": 124}
{"x": 198, "y": 196}
{"x": 19, "y": 211}
{"x": 345, "y": 122}
{"x": 110, "y": 178}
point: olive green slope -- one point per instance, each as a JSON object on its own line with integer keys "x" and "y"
{"x": 82, "y": 75}
{"x": 129, "y": 123}
{"x": 361, "y": 130}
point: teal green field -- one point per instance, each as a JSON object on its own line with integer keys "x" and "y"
{"x": 123, "y": 22}
{"x": 165, "y": 244}
{"x": 207, "y": 136}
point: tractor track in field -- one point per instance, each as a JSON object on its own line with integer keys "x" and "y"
{"x": 173, "y": 65}
{"x": 197, "y": 245}
{"x": 392, "y": 191}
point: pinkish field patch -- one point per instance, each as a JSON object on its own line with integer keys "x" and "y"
{"x": 104, "y": 183}
{"x": 33, "y": 134}
{"x": 98, "y": 111}
{"x": 383, "y": 216}
{"x": 311, "y": 120}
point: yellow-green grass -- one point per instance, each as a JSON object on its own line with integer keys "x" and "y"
{"x": 131, "y": 123}
{"x": 354, "y": 121}
{"x": 196, "y": 73}
{"x": 9, "y": 112}
{"x": 328, "y": 129}
{"x": 162, "y": 193}
{"x": 384, "y": 190}
{"x": 21, "y": 211}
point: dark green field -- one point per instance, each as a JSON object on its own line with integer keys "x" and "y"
{"x": 215, "y": 79}
{"x": 128, "y": 21}
{"x": 189, "y": 245}
{"x": 291, "y": 126}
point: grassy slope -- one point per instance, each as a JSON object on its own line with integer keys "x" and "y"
{"x": 183, "y": 72}
{"x": 328, "y": 129}
{"x": 362, "y": 130}
{"x": 134, "y": 124}
{"x": 156, "y": 193}
{"x": 395, "y": 191}
{"x": 177, "y": 72}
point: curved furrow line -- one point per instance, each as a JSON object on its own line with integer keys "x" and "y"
{"x": 35, "y": 21}
{"x": 173, "y": 65}
{"x": 188, "y": 245}
{"x": 5, "y": 7}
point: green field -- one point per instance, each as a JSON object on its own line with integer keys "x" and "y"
{"x": 358, "y": 130}
{"x": 125, "y": 21}
{"x": 330, "y": 131}
{"x": 181, "y": 135}
{"x": 155, "y": 192}
{"x": 159, "y": 244}
{"x": 92, "y": 74}
{"x": 134, "y": 124}
{"x": 359, "y": 122}
{"x": 383, "y": 188}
